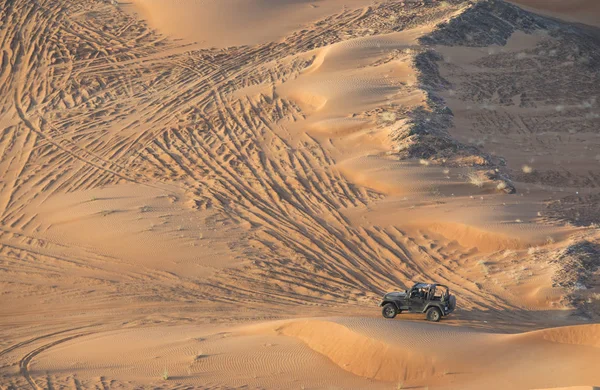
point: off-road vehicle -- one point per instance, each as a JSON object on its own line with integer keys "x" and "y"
{"x": 433, "y": 299}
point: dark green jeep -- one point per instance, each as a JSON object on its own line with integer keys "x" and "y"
{"x": 433, "y": 299}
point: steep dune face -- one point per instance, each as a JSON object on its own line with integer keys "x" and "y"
{"x": 145, "y": 180}
{"x": 360, "y": 354}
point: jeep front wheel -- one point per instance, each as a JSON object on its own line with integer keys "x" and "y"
{"x": 434, "y": 314}
{"x": 389, "y": 310}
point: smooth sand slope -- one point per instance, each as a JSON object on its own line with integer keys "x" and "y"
{"x": 215, "y": 194}
{"x": 581, "y": 11}
{"x": 222, "y": 23}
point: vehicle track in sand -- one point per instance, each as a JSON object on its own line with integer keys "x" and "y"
{"x": 23, "y": 363}
{"x": 107, "y": 114}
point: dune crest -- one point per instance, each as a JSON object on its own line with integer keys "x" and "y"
{"x": 361, "y": 355}
{"x": 579, "y": 335}
{"x": 423, "y": 353}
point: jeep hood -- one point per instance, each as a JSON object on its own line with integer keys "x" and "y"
{"x": 395, "y": 294}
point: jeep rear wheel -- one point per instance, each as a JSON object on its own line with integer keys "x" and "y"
{"x": 434, "y": 314}
{"x": 389, "y": 310}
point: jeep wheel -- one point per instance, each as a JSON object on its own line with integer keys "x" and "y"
{"x": 389, "y": 310}
{"x": 434, "y": 314}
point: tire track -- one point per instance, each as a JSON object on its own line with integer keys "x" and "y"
{"x": 122, "y": 104}
{"x": 24, "y": 362}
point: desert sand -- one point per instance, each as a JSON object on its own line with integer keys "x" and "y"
{"x": 216, "y": 194}
{"x": 578, "y": 11}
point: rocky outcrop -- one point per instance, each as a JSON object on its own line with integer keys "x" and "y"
{"x": 504, "y": 76}
{"x": 577, "y": 266}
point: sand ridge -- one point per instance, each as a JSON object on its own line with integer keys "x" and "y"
{"x": 315, "y": 351}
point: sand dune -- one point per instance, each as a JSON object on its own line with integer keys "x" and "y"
{"x": 222, "y": 190}
{"x": 237, "y": 22}
{"x": 425, "y": 354}
{"x": 351, "y": 352}
{"x": 582, "y": 11}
